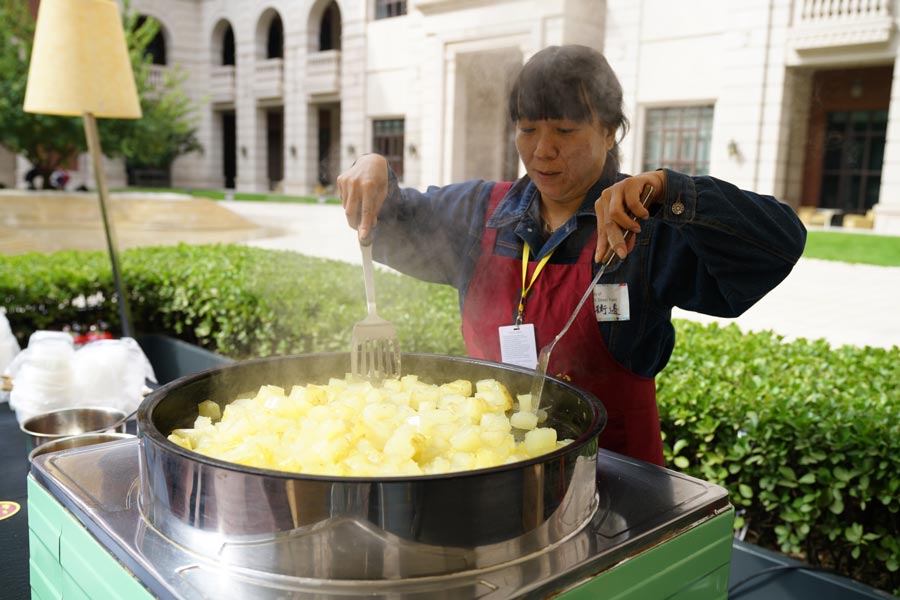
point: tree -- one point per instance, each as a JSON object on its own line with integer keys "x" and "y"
{"x": 166, "y": 130}
{"x": 46, "y": 141}
{"x": 168, "y": 127}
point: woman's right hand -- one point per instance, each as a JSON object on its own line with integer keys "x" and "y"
{"x": 363, "y": 188}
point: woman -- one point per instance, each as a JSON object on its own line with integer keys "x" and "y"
{"x": 700, "y": 244}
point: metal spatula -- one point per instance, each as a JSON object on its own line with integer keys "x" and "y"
{"x": 540, "y": 374}
{"x": 374, "y": 347}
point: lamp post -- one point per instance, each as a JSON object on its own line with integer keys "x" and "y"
{"x": 80, "y": 67}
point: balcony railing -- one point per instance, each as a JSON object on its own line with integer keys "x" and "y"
{"x": 222, "y": 84}
{"x": 155, "y": 76}
{"x": 821, "y": 24}
{"x": 268, "y": 81}
{"x": 323, "y": 72}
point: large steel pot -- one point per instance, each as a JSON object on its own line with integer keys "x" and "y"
{"x": 363, "y": 528}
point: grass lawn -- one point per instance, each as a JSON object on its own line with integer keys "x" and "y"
{"x": 853, "y": 248}
{"x": 220, "y": 195}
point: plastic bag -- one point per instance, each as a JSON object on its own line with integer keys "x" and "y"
{"x": 111, "y": 373}
{"x": 42, "y": 374}
{"x": 51, "y": 374}
{"x": 9, "y": 346}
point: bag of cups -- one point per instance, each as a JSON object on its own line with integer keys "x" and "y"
{"x": 51, "y": 374}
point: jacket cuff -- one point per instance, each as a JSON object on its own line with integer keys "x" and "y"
{"x": 680, "y": 203}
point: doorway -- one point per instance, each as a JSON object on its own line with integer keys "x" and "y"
{"x": 229, "y": 148}
{"x": 854, "y": 153}
{"x": 848, "y": 118}
{"x": 275, "y": 147}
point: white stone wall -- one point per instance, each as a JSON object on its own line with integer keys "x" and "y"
{"x": 739, "y": 56}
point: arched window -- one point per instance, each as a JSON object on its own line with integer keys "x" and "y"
{"x": 156, "y": 49}
{"x": 330, "y": 29}
{"x": 275, "y": 40}
{"x": 228, "y": 46}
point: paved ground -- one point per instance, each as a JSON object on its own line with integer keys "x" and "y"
{"x": 843, "y": 303}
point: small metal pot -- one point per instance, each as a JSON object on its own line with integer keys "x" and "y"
{"x": 77, "y": 441}
{"x": 57, "y": 424}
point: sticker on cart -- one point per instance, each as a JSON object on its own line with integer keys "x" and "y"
{"x": 8, "y": 509}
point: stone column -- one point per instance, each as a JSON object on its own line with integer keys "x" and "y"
{"x": 353, "y": 141}
{"x": 299, "y": 131}
{"x": 250, "y": 120}
{"x": 887, "y": 211}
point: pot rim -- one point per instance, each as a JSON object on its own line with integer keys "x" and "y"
{"x": 41, "y": 415}
{"x": 146, "y": 427}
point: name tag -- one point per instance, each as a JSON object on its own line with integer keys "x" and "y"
{"x": 518, "y": 345}
{"x": 611, "y": 302}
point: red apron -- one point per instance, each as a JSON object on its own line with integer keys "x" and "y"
{"x": 632, "y": 426}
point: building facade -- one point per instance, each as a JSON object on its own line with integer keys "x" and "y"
{"x": 295, "y": 90}
{"x": 787, "y": 97}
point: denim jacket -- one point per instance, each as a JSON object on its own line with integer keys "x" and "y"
{"x": 708, "y": 247}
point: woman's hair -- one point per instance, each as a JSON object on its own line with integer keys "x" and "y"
{"x": 570, "y": 82}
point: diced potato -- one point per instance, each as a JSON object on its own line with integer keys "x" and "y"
{"x": 462, "y": 461}
{"x": 466, "y": 439}
{"x": 424, "y": 396}
{"x": 495, "y": 422}
{"x": 404, "y": 444}
{"x": 202, "y": 422}
{"x": 181, "y": 441}
{"x": 210, "y": 409}
{"x": 393, "y": 385}
{"x": 492, "y": 439}
{"x": 524, "y": 420}
{"x": 351, "y": 428}
{"x": 316, "y": 394}
{"x": 460, "y": 386}
{"x": 525, "y": 403}
{"x": 540, "y": 441}
{"x": 492, "y": 386}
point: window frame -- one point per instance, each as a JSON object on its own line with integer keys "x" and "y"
{"x": 381, "y": 143}
{"x": 388, "y": 9}
{"x": 705, "y": 117}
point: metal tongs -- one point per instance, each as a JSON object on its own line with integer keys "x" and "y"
{"x": 540, "y": 374}
{"x": 374, "y": 346}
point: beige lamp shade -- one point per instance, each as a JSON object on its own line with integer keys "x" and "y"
{"x": 79, "y": 62}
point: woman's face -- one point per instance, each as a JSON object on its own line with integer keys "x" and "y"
{"x": 563, "y": 158}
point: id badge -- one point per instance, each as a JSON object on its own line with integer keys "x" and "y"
{"x": 611, "y": 302}
{"x": 518, "y": 345}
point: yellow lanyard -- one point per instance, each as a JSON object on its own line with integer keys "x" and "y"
{"x": 537, "y": 271}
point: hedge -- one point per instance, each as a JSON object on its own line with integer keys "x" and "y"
{"x": 806, "y": 438}
{"x": 238, "y": 301}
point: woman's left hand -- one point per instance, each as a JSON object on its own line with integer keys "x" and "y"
{"x": 615, "y": 208}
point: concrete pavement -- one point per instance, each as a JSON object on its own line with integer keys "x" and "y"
{"x": 844, "y": 303}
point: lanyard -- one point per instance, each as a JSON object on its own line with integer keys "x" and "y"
{"x": 526, "y": 250}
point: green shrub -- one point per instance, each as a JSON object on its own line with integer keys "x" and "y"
{"x": 49, "y": 291}
{"x": 238, "y": 301}
{"x": 806, "y": 438}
